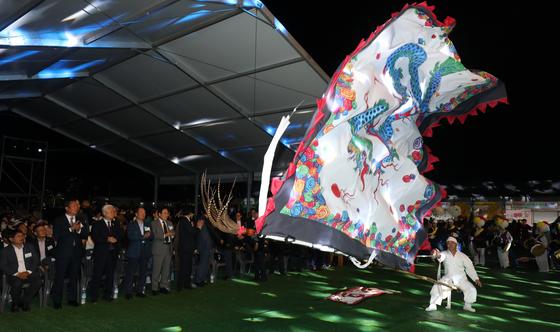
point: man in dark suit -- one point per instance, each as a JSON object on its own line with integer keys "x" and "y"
{"x": 44, "y": 245}
{"x": 138, "y": 253}
{"x": 106, "y": 236}
{"x": 185, "y": 241}
{"x": 206, "y": 245}
{"x": 20, "y": 263}
{"x": 68, "y": 233}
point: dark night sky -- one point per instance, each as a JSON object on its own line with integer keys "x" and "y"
{"x": 511, "y": 143}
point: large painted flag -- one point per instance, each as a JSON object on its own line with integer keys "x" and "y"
{"x": 355, "y": 185}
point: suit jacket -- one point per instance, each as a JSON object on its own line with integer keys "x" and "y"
{"x": 207, "y": 237}
{"x": 136, "y": 241}
{"x": 158, "y": 247}
{"x": 187, "y": 234}
{"x": 49, "y": 249}
{"x": 99, "y": 234}
{"x": 9, "y": 262}
{"x": 68, "y": 243}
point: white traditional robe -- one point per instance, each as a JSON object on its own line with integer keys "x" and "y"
{"x": 455, "y": 268}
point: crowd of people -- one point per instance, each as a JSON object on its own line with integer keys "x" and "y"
{"x": 512, "y": 244}
{"x": 139, "y": 251}
{"x": 95, "y": 252}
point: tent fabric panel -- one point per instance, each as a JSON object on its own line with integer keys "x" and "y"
{"x": 191, "y": 107}
{"x": 133, "y": 121}
{"x": 232, "y": 134}
{"x": 174, "y": 144}
{"x": 146, "y": 76}
{"x": 89, "y": 97}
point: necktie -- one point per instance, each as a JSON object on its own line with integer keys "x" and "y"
{"x": 110, "y": 225}
{"x": 166, "y": 238}
{"x": 72, "y": 224}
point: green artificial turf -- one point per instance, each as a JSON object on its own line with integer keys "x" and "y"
{"x": 508, "y": 301}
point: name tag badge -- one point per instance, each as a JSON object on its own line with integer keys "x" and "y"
{"x": 170, "y": 227}
{"x": 49, "y": 247}
{"x": 27, "y": 255}
{"x": 146, "y": 228}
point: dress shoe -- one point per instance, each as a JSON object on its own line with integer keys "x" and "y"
{"x": 15, "y": 307}
{"x": 128, "y": 296}
{"x": 164, "y": 290}
{"x": 155, "y": 292}
{"x": 25, "y": 307}
{"x": 140, "y": 295}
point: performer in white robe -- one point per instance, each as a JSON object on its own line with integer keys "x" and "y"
{"x": 456, "y": 264}
{"x": 543, "y": 230}
{"x": 503, "y": 241}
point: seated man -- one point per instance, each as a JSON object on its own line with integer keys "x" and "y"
{"x": 44, "y": 244}
{"x": 456, "y": 264}
{"x": 20, "y": 262}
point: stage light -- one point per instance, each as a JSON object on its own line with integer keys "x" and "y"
{"x": 324, "y": 288}
{"x": 327, "y": 317}
{"x": 512, "y": 310}
{"x": 537, "y": 321}
{"x": 516, "y": 295}
{"x": 491, "y": 298}
{"x": 245, "y": 282}
{"x": 316, "y": 282}
{"x": 363, "y": 281}
{"x": 321, "y": 295}
{"x": 546, "y": 292}
{"x": 519, "y": 306}
{"x": 255, "y": 319}
{"x": 370, "y": 312}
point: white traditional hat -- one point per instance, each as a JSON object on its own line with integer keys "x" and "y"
{"x": 451, "y": 239}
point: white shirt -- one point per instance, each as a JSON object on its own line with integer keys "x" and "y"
{"x": 42, "y": 248}
{"x": 141, "y": 225}
{"x": 107, "y": 222}
{"x": 166, "y": 239}
{"x": 72, "y": 220}
{"x": 20, "y": 259}
{"x": 456, "y": 266}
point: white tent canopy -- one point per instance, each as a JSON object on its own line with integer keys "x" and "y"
{"x": 171, "y": 87}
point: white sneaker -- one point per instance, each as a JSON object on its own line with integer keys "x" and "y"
{"x": 468, "y": 307}
{"x": 432, "y": 307}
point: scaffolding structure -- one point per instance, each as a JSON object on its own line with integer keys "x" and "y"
{"x": 23, "y": 166}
